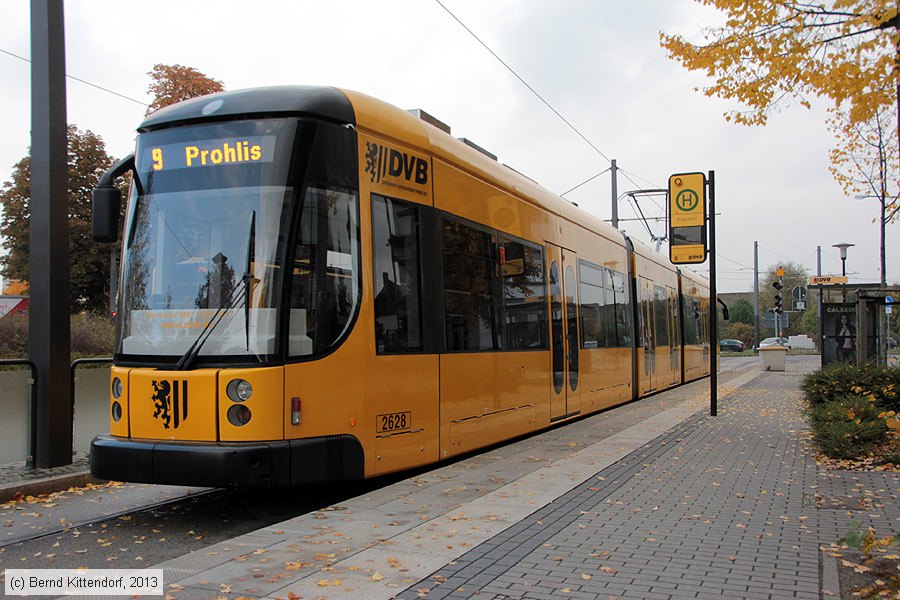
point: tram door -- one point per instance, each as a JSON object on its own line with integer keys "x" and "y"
{"x": 648, "y": 336}
{"x": 663, "y": 338}
{"x": 564, "y": 338}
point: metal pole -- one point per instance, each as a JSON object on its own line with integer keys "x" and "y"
{"x": 756, "y": 294}
{"x": 820, "y": 307}
{"x": 713, "y": 302}
{"x": 113, "y": 279}
{"x": 48, "y": 331}
{"x": 615, "y": 193}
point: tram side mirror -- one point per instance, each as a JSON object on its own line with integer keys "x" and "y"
{"x": 107, "y": 200}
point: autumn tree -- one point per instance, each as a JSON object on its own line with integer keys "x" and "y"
{"x": 771, "y": 51}
{"x": 741, "y": 311}
{"x": 864, "y": 163}
{"x": 173, "y": 83}
{"x": 90, "y": 261}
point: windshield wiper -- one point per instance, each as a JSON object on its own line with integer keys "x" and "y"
{"x": 251, "y": 258}
{"x": 187, "y": 359}
{"x": 239, "y": 293}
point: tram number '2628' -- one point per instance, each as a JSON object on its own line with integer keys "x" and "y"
{"x": 393, "y": 422}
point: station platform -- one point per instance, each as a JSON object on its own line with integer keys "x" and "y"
{"x": 655, "y": 499}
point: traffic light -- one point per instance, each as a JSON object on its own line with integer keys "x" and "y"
{"x": 778, "y": 287}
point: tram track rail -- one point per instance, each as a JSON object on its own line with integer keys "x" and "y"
{"x": 150, "y": 533}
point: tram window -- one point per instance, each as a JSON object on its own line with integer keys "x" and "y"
{"x": 470, "y": 278}
{"x": 605, "y": 307}
{"x": 524, "y": 296}
{"x": 558, "y": 352}
{"x": 572, "y": 326}
{"x": 325, "y": 284}
{"x": 691, "y": 320}
{"x": 661, "y": 316}
{"x": 622, "y": 317}
{"x": 395, "y": 249}
{"x": 593, "y": 305}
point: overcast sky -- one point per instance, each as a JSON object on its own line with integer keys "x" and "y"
{"x": 597, "y": 62}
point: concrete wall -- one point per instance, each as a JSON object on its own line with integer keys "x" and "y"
{"x": 91, "y": 402}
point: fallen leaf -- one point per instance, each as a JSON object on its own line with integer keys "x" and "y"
{"x": 608, "y": 570}
{"x": 376, "y": 576}
{"x": 586, "y": 577}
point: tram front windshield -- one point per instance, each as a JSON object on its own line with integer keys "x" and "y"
{"x": 203, "y": 243}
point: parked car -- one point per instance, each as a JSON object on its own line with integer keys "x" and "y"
{"x": 731, "y": 345}
{"x": 775, "y": 341}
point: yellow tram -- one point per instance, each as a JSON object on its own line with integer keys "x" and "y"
{"x": 318, "y": 286}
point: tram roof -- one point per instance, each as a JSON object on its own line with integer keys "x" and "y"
{"x": 302, "y": 100}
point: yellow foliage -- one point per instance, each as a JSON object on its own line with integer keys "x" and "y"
{"x": 16, "y": 287}
{"x": 771, "y": 51}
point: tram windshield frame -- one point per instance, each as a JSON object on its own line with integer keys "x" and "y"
{"x": 215, "y": 212}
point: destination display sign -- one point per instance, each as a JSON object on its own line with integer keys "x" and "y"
{"x": 827, "y": 279}
{"x": 209, "y": 153}
{"x": 687, "y": 218}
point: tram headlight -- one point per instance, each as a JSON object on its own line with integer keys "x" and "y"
{"x": 239, "y": 415}
{"x": 239, "y": 390}
{"x": 117, "y": 388}
{"x": 116, "y": 412}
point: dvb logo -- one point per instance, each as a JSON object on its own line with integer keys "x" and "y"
{"x": 382, "y": 161}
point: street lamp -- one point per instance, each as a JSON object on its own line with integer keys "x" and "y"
{"x": 843, "y": 248}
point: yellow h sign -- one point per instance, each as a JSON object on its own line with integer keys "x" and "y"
{"x": 687, "y": 218}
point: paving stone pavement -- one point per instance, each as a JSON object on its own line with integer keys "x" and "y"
{"x": 18, "y": 478}
{"x": 727, "y": 507}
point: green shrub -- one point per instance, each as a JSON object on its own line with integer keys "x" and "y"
{"x": 847, "y": 428}
{"x": 14, "y": 336}
{"x": 91, "y": 335}
{"x": 840, "y": 380}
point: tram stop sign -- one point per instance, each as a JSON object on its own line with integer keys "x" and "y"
{"x": 687, "y": 218}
